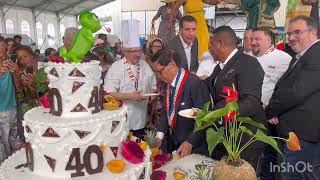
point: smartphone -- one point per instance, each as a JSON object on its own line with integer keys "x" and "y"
{"x": 29, "y": 70}
{"x": 14, "y": 58}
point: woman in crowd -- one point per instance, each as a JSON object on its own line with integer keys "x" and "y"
{"x": 155, "y": 105}
{"x": 9, "y": 81}
{"x": 49, "y": 52}
{"x": 105, "y": 59}
{"x": 164, "y": 12}
{"x": 28, "y": 98}
{"x": 10, "y": 48}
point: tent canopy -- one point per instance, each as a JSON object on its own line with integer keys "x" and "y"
{"x": 72, "y": 7}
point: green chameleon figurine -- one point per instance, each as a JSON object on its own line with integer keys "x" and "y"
{"x": 84, "y": 39}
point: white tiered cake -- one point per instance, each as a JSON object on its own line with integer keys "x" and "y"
{"x": 77, "y": 138}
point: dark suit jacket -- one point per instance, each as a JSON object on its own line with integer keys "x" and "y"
{"x": 246, "y": 73}
{"x": 194, "y": 94}
{"x": 296, "y": 97}
{"x": 180, "y": 55}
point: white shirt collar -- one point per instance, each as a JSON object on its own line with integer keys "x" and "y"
{"x": 299, "y": 55}
{"x": 228, "y": 58}
{"x": 185, "y": 45}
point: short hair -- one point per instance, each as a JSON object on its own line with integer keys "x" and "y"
{"x": 186, "y": 19}
{"x": 17, "y": 36}
{"x": 227, "y": 34}
{"x": 266, "y": 31}
{"x": 70, "y": 32}
{"x": 7, "y": 40}
{"x": 311, "y": 22}
{"x": 26, "y": 48}
{"x": 101, "y": 35}
{"x": 47, "y": 52}
{"x": 107, "y": 58}
{"x": 163, "y": 56}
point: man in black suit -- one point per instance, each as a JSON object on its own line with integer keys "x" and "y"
{"x": 184, "y": 91}
{"x": 294, "y": 105}
{"x": 186, "y": 44}
{"x": 246, "y": 74}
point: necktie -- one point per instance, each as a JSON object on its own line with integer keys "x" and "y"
{"x": 171, "y": 91}
{"x": 215, "y": 73}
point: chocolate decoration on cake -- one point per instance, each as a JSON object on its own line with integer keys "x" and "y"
{"x": 78, "y": 165}
{"x": 82, "y": 134}
{"x": 54, "y": 92}
{"x": 95, "y": 100}
{"x": 51, "y": 162}
{"x": 79, "y": 108}
{"x": 87, "y": 159}
{"x": 29, "y": 154}
{"x": 54, "y": 72}
{"x": 76, "y": 85}
{"x": 143, "y": 174}
{"x": 28, "y": 130}
{"x": 50, "y": 133}
{"x": 114, "y": 151}
{"x": 114, "y": 125}
{"x": 76, "y": 73}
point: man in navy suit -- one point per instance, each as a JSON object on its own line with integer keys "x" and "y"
{"x": 184, "y": 91}
{"x": 294, "y": 105}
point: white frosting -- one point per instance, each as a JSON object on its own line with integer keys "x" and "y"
{"x": 187, "y": 165}
{"x": 99, "y": 130}
{"x": 130, "y": 172}
{"x": 64, "y": 83}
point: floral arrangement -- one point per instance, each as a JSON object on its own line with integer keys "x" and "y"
{"x": 158, "y": 175}
{"x": 159, "y": 160}
{"x": 132, "y": 152}
{"x": 231, "y": 134}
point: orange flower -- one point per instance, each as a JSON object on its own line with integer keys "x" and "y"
{"x": 115, "y": 166}
{"x": 293, "y": 142}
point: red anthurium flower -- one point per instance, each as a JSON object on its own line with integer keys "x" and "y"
{"x": 232, "y": 93}
{"x": 229, "y": 116}
{"x": 44, "y": 101}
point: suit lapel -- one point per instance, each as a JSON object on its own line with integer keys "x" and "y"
{"x": 194, "y": 54}
{"x": 290, "y": 68}
{"x": 221, "y": 76}
{"x": 184, "y": 63}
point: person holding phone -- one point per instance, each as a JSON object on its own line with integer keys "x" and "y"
{"x": 9, "y": 83}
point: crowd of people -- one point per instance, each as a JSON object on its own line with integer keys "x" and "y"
{"x": 278, "y": 88}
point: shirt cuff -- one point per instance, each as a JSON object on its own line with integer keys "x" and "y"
{"x": 160, "y": 135}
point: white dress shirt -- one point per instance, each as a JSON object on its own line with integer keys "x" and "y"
{"x": 206, "y": 65}
{"x": 187, "y": 50}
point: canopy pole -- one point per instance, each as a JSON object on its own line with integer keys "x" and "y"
{"x": 3, "y": 20}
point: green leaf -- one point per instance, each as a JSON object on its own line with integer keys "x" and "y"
{"x": 246, "y": 130}
{"x": 248, "y": 120}
{"x": 206, "y": 106}
{"x": 261, "y": 136}
{"x": 232, "y": 106}
{"x": 209, "y": 119}
{"x": 214, "y": 138}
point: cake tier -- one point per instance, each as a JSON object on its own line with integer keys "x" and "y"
{"x": 72, "y": 88}
{"x": 8, "y": 171}
{"x": 60, "y": 146}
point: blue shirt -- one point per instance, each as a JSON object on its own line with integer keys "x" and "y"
{"x": 7, "y": 93}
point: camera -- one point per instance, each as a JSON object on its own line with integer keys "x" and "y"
{"x": 29, "y": 70}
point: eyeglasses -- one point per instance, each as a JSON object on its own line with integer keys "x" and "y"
{"x": 159, "y": 73}
{"x": 297, "y": 32}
